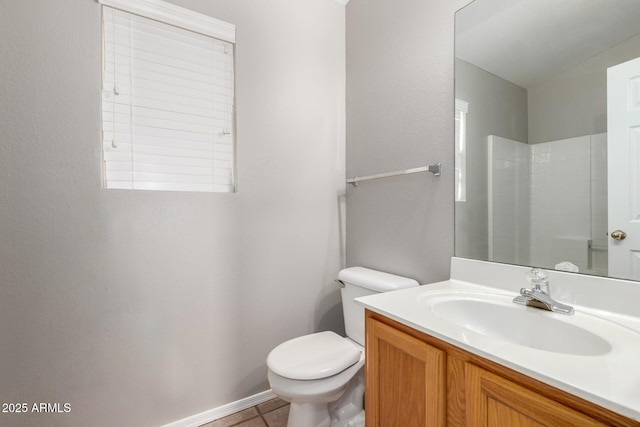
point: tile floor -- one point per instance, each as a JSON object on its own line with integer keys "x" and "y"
{"x": 272, "y": 413}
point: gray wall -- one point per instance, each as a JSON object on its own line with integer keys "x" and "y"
{"x": 141, "y": 308}
{"x": 496, "y": 107}
{"x": 574, "y": 102}
{"x": 399, "y": 116}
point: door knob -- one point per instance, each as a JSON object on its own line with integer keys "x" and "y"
{"x": 618, "y": 235}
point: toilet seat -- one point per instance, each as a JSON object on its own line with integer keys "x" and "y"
{"x": 314, "y": 356}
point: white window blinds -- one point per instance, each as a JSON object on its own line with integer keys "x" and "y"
{"x": 167, "y": 105}
{"x": 462, "y": 107}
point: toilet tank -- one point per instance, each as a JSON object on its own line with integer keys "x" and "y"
{"x": 358, "y": 282}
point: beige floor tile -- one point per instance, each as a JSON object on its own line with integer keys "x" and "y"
{"x": 270, "y": 405}
{"x": 253, "y": 422}
{"x": 278, "y": 417}
{"x": 235, "y": 419}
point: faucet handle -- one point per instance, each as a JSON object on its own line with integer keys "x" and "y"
{"x": 539, "y": 279}
{"x": 537, "y": 298}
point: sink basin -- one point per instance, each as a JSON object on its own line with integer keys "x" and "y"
{"x": 496, "y": 316}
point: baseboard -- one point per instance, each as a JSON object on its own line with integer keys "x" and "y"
{"x": 222, "y": 411}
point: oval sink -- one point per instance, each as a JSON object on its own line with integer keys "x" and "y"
{"x": 496, "y": 316}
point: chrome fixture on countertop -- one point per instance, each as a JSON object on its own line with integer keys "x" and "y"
{"x": 539, "y": 294}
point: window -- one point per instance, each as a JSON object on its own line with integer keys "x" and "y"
{"x": 461, "y": 150}
{"x": 167, "y": 98}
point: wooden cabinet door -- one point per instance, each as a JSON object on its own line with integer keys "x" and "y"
{"x": 405, "y": 379}
{"x": 494, "y": 401}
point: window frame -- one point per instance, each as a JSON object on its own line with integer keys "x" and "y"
{"x": 460, "y": 132}
{"x": 184, "y": 20}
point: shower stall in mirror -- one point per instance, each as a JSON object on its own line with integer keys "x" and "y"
{"x": 533, "y": 74}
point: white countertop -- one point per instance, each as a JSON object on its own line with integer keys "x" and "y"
{"x": 611, "y": 380}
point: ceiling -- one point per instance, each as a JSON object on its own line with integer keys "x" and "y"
{"x": 545, "y": 37}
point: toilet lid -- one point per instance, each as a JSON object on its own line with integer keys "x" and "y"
{"x": 312, "y": 357}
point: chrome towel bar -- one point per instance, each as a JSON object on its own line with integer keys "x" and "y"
{"x": 434, "y": 169}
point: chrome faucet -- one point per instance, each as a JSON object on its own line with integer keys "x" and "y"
{"x": 539, "y": 294}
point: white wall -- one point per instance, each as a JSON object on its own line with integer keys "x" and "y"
{"x": 141, "y": 308}
{"x": 574, "y": 102}
{"x": 399, "y": 116}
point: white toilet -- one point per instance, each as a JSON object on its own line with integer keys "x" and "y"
{"x": 321, "y": 374}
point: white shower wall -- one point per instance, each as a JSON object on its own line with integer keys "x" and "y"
{"x": 599, "y": 231}
{"x": 547, "y": 202}
{"x": 508, "y": 197}
{"x": 560, "y": 202}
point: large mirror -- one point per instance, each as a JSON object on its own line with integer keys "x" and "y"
{"x": 548, "y": 134}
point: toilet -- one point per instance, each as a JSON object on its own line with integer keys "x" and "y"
{"x": 322, "y": 374}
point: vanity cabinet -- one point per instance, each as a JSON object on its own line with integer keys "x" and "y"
{"x": 493, "y": 400}
{"x": 416, "y": 380}
{"x": 405, "y": 379}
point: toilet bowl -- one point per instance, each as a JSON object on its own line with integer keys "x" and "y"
{"x": 313, "y": 382}
{"x": 322, "y": 374}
